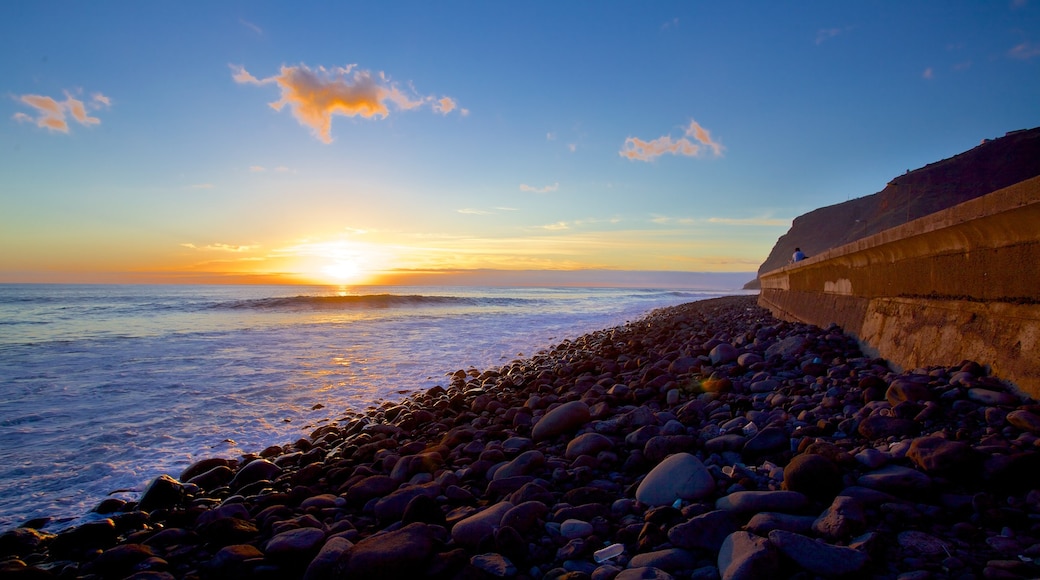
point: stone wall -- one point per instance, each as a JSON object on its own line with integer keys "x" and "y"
{"x": 962, "y": 283}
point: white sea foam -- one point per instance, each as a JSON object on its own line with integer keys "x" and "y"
{"x": 103, "y": 388}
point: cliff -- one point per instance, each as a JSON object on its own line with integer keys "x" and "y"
{"x": 992, "y": 165}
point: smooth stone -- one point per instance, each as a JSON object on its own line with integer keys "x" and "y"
{"x": 766, "y": 441}
{"x": 588, "y": 444}
{"x": 572, "y": 529}
{"x": 939, "y": 455}
{"x": 566, "y": 418}
{"x": 745, "y": 556}
{"x": 391, "y": 507}
{"x": 1024, "y": 420}
{"x": 871, "y": 458}
{"x": 895, "y": 478}
{"x": 704, "y": 532}
{"x": 496, "y": 565}
{"x": 817, "y": 557}
{"x": 683, "y": 365}
{"x": 163, "y": 492}
{"x": 765, "y": 522}
{"x": 788, "y": 348}
{"x": 844, "y": 518}
{"x": 764, "y": 386}
{"x": 881, "y": 426}
{"x": 906, "y": 390}
{"x": 395, "y": 554}
{"x": 370, "y": 487}
{"x": 294, "y": 544}
{"x": 679, "y": 476}
{"x": 472, "y": 530}
{"x": 324, "y": 564}
{"x": 731, "y": 442}
{"x": 643, "y": 574}
{"x": 991, "y": 397}
{"x": 523, "y": 464}
{"x": 254, "y": 471}
{"x": 813, "y": 475}
{"x": 749, "y": 358}
{"x": 525, "y": 516}
{"x": 763, "y": 501}
{"x": 229, "y": 560}
{"x": 723, "y": 353}
{"x": 120, "y": 561}
{"x": 202, "y": 466}
{"x": 669, "y": 560}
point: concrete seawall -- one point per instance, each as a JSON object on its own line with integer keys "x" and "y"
{"x": 962, "y": 283}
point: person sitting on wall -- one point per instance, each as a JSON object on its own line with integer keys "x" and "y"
{"x": 798, "y": 256}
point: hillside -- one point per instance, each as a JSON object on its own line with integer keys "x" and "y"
{"x": 992, "y": 165}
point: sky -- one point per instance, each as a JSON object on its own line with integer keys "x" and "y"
{"x": 401, "y": 141}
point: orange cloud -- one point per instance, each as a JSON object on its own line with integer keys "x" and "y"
{"x": 314, "y": 96}
{"x": 640, "y": 150}
{"x": 51, "y": 114}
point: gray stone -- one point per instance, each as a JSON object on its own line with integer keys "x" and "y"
{"x": 395, "y": 554}
{"x": 704, "y": 532}
{"x": 895, "y": 479}
{"x": 991, "y": 397}
{"x": 668, "y": 560}
{"x": 679, "y": 476}
{"x": 470, "y": 531}
{"x": 496, "y": 565}
{"x": 295, "y": 544}
{"x": 566, "y": 418}
{"x": 523, "y": 464}
{"x": 745, "y": 556}
{"x": 765, "y": 522}
{"x": 763, "y": 501}
{"x": 817, "y": 557}
{"x": 723, "y": 353}
{"x": 1024, "y": 420}
{"x": 843, "y": 519}
{"x": 939, "y": 455}
{"x": 588, "y": 444}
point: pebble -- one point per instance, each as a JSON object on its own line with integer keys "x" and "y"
{"x": 704, "y": 441}
{"x": 681, "y": 476}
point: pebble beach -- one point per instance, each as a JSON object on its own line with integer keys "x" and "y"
{"x": 707, "y": 440}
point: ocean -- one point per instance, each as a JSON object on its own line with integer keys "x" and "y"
{"x": 105, "y": 387}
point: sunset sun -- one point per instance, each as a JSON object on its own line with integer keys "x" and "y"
{"x": 342, "y": 271}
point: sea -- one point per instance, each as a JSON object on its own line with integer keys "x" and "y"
{"x": 105, "y": 387}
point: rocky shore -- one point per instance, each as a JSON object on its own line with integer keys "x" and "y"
{"x": 706, "y": 440}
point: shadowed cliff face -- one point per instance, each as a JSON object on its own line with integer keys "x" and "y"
{"x": 984, "y": 169}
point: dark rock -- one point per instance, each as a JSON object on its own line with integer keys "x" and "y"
{"x": 403, "y": 553}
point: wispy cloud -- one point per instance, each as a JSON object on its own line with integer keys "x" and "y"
{"x": 673, "y": 23}
{"x": 251, "y": 26}
{"x": 315, "y": 95}
{"x": 201, "y": 186}
{"x": 220, "y": 248}
{"x": 825, "y": 34}
{"x": 262, "y": 169}
{"x": 640, "y": 150}
{"x": 558, "y": 226}
{"x": 741, "y": 222}
{"x": 52, "y": 114}
{"x": 1025, "y": 51}
{"x": 473, "y": 211}
{"x": 929, "y": 73}
{"x": 543, "y": 189}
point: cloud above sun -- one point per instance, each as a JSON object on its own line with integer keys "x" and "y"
{"x": 53, "y": 115}
{"x": 315, "y": 95}
{"x": 637, "y": 149}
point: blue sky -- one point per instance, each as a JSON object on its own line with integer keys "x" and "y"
{"x": 261, "y": 141}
